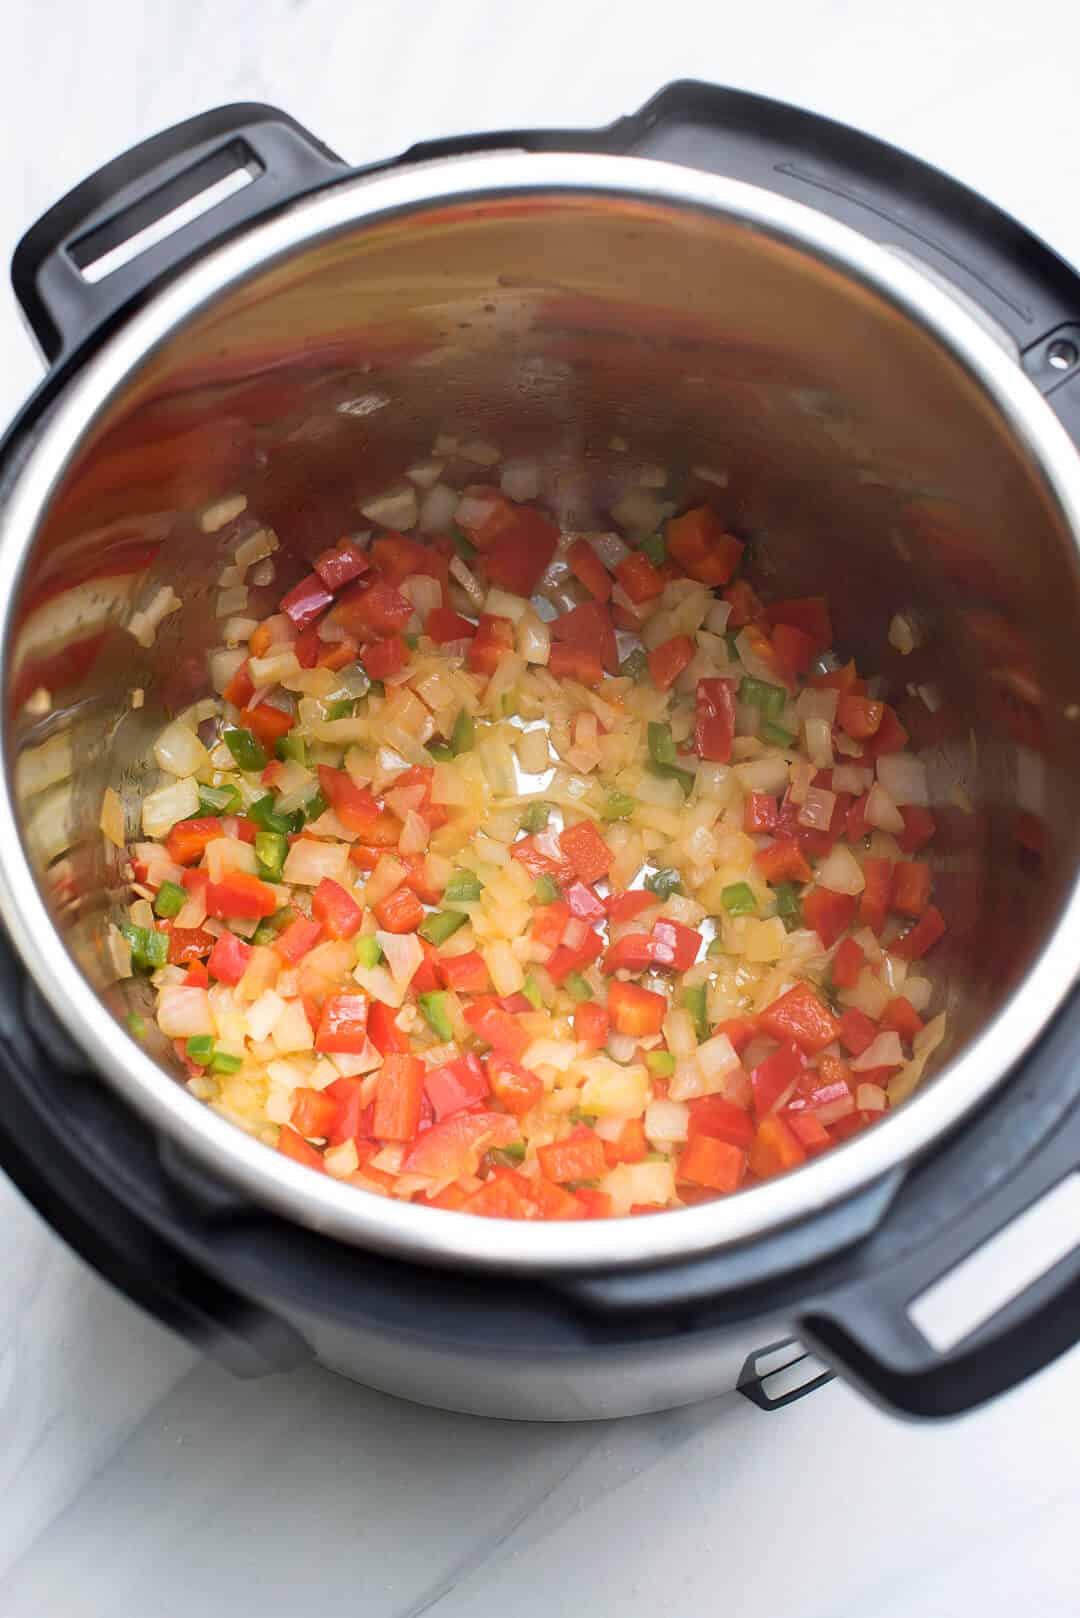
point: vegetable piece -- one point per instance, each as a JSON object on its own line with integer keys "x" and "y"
{"x": 457, "y": 1084}
{"x": 383, "y": 1030}
{"x": 591, "y": 1025}
{"x": 674, "y": 945}
{"x": 586, "y": 851}
{"x": 713, "y": 1163}
{"x": 463, "y": 735}
{"x": 217, "y": 801}
{"x": 639, "y": 577}
{"x": 187, "y": 841}
{"x": 619, "y": 806}
{"x": 783, "y": 861}
{"x": 336, "y": 909}
{"x": 149, "y": 948}
{"x": 493, "y": 640}
{"x": 876, "y": 896}
{"x": 499, "y": 1029}
{"x": 664, "y": 882}
{"x": 587, "y": 629}
{"x": 759, "y": 814}
{"x": 859, "y": 716}
{"x": 169, "y": 900}
{"x": 306, "y": 600}
{"x": 774, "y": 1079}
{"x": 296, "y": 939}
{"x": 922, "y": 937}
{"x": 343, "y": 1025}
{"x": 398, "y": 1096}
{"x": 721, "y": 1119}
{"x": 800, "y": 1015}
{"x": 890, "y": 736}
{"x": 443, "y": 625}
{"x": 699, "y": 543}
{"x": 239, "y": 895}
{"x": 810, "y": 614}
{"x": 634, "y": 1010}
{"x": 576, "y": 663}
{"x": 229, "y": 958}
{"x": 314, "y": 1113}
{"x": 919, "y": 828}
{"x": 247, "y": 752}
{"x": 714, "y": 723}
{"x": 579, "y": 1157}
{"x": 463, "y": 888}
{"x": 770, "y": 699}
{"x": 901, "y": 1017}
{"x": 521, "y": 555}
{"x": 353, "y": 805}
{"x": 910, "y": 887}
{"x": 267, "y": 724}
{"x": 340, "y": 564}
{"x": 847, "y": 964}
{"x": 586, "y": 566}
{"x": 856, "y": 1031}
{"x": 667, "y": 662}
{"x": 829, "y": 914}
{"x": 402, "y": 912}
{"x": 695, "y": 1001}
{"x": 436, "y": 928}
{"x": 775, "y": 1149}
{"x": 738, "y": 899}
{"x": 385, "y": 657}
{"x": 623, "y": 907}
{"x": 290, "y": 1144}
{"x": 371, "y": 609}
{"x": 515, "y": 1087}
{"x": 188, "y": 944}
{"x": 437, "y": 1015}
{"x": 271, "y": 850}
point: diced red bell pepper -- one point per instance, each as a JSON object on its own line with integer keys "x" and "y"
{"x": 633, "y": 952}
{"x": 197, "y": 976}
{"x": 343, "y": 1024}
{"x": 801, "y": 1016}
{"x": 759, "y": 814}
{"x": 713, "y": 1163}
{"x": 853, "y": 1124}
{"x": 186, "y": 842}
{"x": 772, "y": 1080}
{"x": 856, "y": 1032}
{"x": 810, "y": 614}
{"x": 426, "y": 977}
{"x": 307, "y": 646}
{"x": 856, "y": 825}
{"x": 295, "y": 940}
{"x": 596, "y": 1204}
{"x": 542, "y": 855}
{"x": 229, "y": 958}
{"x": 860, "y": 717}
{"x": 304, "y": 602}
{"x": 639, "y": 578}
{"x": 828, "y": 913}
{"x": 576, "y": 663}
{"x": 338, "y": 654}
{"x": 631, "y": 1145}
{"x": 340, "y": 564}
{"x": 589, "y": 628}
{"x": 372, "y": 609}
{"x": 919, "y": 828}
{"x": 721, "y": 1119}
{"x": 549, "y": 924}
{"x": 241, "y": 827}
{"x": 876, "y": 896}
{"x": 465, "y": 974}
{"x": 353, "y": 1121}
{"x": 922, "y": 937}
{"x": 794, "y": 651}
{"x": 667, "y": 662}
{"x": 846, "y": 964}
{"x": 901, "y": 1017}
{"x": 444, "y": 625}
{"x": 714, "y": 721}
{"x": 674, "y": 945}
{"x": 843, "y": 679}
{"x": 383, "y": 1031}
{"x": 314, "y": 1113}
{"x": 739, "y": 1031}
{"x": 775, "y": 1149}
{"x": 336, "y": 909}
{"x": 584, "y": 902}
{"x": 783, "y": 861}
{"x": 397, "y": 557}
{"x": 636, "y": 1011}
{"x": 457, "y": 1084}
{"x": 591, "y": 1024}
{"x": 744, "y": 602}
{"x": 579, "y": 1157}
{"x": 397, "y": 1098}
{"x": 586, "y": 851}
{"x": 189, "y": 944}
{"x": 290, "y": 1144}
{"x": 500, "y": 1198}
{"x": 499, "y": 1029}
{"x": 702, "y": 547}
{"x": 567, "y": 959}
{"x": 890, "y": 736}
{"x": 400, "y": 912}
{"x": 623, "y": 907}
{"x": 267, "y": 723}
{"x": 240, "y": 688}
{"x": 455, "y": 1146}
{"x": 520, "y": 556}
{"x": 384, "y": 657}
{"x": 810, "y": 1133}
{"x": 515, "y": 1087}
{"x": 239, "y": 894}
{"x": 911, "y": 887}
{"x": 494, "y": 638}
{"x": 586, "y": 566}
{"x": 354, "y": 806}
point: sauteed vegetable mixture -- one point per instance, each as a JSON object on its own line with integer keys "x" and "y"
{"x": 535, "y": 874}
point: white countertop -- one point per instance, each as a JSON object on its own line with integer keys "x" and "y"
{"x": 138, "y": 1483}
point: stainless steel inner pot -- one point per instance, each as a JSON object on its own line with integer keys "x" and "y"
{"x": 875, "y": 443}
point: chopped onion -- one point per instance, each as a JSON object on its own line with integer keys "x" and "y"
{"x": 716, "y": 1056}
{"x": 231, "y": 601}
{"x": 667, "y": 1120}
{"x": 425, "y": 474}
{"x": 640, "y": 512}
{"x": 474, "y": 508}
{"x": 716, "y": 619}
{"x": 919, "y": 992}
{"x": 415, "y": 834}
{"x": 222, "y": 512}
{"x": 870, "y": 1098}
{"x": 309, "y": 862}
{"x": 262, "y": 543}
{"x": 112, "y": 817}
{"x": 179, "y": 751}
{"x": 841, "y": 872}
{"x": 902, "y": 634}
{"x": 292, "y": 1031}
{"x": 753, "y": 664}
{"x": 480, "y": 452}
{"x": 471, "y": 586}
{"x": 533, "y": 639}
{"x": 520, "y": 480}
{"x": 680, "y": 1035}
{"x": 281, "y": 665}
{"x": 884, "y": 1051}
{"x": 818, "y": 735}
{"x": 881, "y": 811}
{"x": 183, "y": 1012}
{"x": 264, "y": 1014}
{"x": 144, "y": 624}
{"x": 817, "y": 809}
{"x": 812, "y": 704}
{"x": 223, "y": 665}
{"x": 801, "y": 776}
{"x": 763, "y": 774}
{"x": 621, "y": 1047}
{"x": 852, "y": 778}
{"x": 425, "y": 593}
{"x": 341, "y": 1161}
{"x": 161, "y": 809}
{"x": 904, "y": 778}
{"x": 404, "y": 955}
{"x": 396, "y": 508}
{"x": 506, "y": 971}
{"x": 501, "y": 604}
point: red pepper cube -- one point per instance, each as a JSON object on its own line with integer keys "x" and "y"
{"x": 383, "y": 1030}
{"x": 341, "y": 564}
{"x": 300, "y": 936}
{"x": 919, "y": 828}
{"x": 714, "y": 721}
{"x": 400, "y": 912}
{"x": 774, "y": 1079}
{"x": 759, "y": 814}
{"x": 397, "y": 1098}
{"x": 494, "y": 638}
{"x": 668, "y": 661}
{"x": 588, "y": 629}
{"x": 876, "y": 897}
{"x": 801, "y": 1016}
{"x": 579, "y": 1157}
{"x": 636, "y": 1011}
{"x": 911, "y": 887}
{"x": 314, "y": 1113}
{"x": 290, "y": 1144}
{"x": 586, "y": 566}
{"x": 343, "y": 1025}
{"x": 783, "y": 861}
{"x": 229, "y": 958}
{"x": 847, "y": 964}
{"x": 639, "y": 578}
{"x": 457, "y": 1084}
{"x": 305, "y": 601}
{"x": 828, "y": 913}
{"x": 922, "y": 937}
{"x": 515, "y": 1087}
{"x": 703, "y": 548}
{"x": 336, "y": 909}
{"x": 856, "y": 1031}
{"x": 713, "y": 1163}
{"x": 586, "y": 851}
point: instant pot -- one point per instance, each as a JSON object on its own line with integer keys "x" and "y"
{"x": 874, "y": 376}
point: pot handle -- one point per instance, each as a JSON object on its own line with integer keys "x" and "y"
{"x": 242, "y": 162}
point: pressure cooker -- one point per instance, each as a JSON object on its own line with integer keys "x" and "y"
{"x": 883, "y": 372}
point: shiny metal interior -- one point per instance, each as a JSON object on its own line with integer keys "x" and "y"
{"x": 876, "y": 446}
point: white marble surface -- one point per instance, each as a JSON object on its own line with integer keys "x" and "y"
{"x": 137, "y": 1483}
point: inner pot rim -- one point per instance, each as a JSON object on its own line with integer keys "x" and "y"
{"x": 435, "y": 1235}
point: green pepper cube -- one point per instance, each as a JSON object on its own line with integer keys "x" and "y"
{"x": 340, "y": 708}
{"x": 440, "y": 926}
{"x": 462, "y": 543}
{"x": 441, "y": 752}
{"x": 315, "y": 807}
{"x": 536, "y": 817}
{"x": 200, "y": 1048}
{"x": 776, "y": 735}
{"x": 662, "y": 1063}
{"x": 655, "y": 548}
{"x": 136, "y": 1025}
{"x": 368, "y": 950}
{"x": 664, "y": 883}
{"x": 619, "y": 806}
{"x": 291, "y": 748}
{"x": 788, "y": 907}
{"x": 770, "y": 699}
{"x": 263, "y": 813}
{"x": 514, "y": 1153}
{"x": 635, "y": 665}
{"x": 463, "y": 735}
{"x": 171, "y": 899}
{"x": 223, "y": 800}
{"x": 661, "y": 743}
{"x": 716, "y": 947}
{"x": 224, "y": 1062}
{"x": 245, "y": 749}
{"x": 270, "y": 926}
{"x": 547, "y": 890}
{"x": 463, "y": 888}
{"x": 738, "y": 899}
{"x": 531, "y": 990}
{"x": 694, "y": 1001}
{"x": 576, "y": 987}
{"x": 271, "y": 848}
{"x": 434, "y": 1007}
